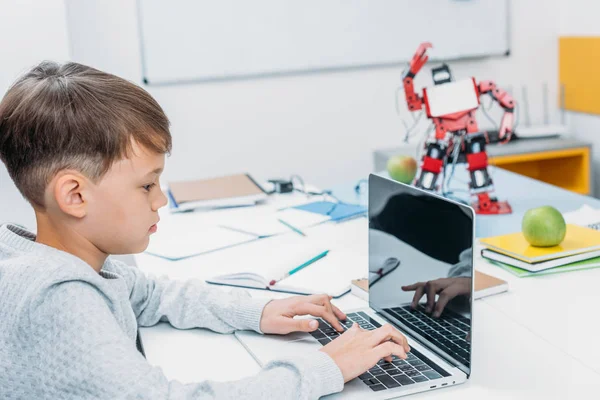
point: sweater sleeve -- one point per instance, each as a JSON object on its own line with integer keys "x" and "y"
{"x": 189, "y": 304}
{"x": 81, "y": 352}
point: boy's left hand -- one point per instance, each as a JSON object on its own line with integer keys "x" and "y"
{"x": 278, "y": 315}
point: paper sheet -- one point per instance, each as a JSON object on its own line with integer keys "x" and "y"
{"x": 584, "y": 216}
{"x": 269, "y": 225}
{"x": 190, "y": 240}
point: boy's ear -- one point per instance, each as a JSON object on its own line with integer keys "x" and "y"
{"x": 70, "y": 193}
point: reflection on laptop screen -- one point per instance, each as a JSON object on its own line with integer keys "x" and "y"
{"x": 421, "y": 266}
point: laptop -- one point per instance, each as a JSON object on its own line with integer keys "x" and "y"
{"x": 415, "y": 238}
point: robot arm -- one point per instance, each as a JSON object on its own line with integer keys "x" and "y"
{"x": 413, "y": 101}
{"x": 506, "y": 102}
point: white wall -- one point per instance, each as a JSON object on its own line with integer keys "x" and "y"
{"x": 30, "y": 31}
{"x": 580, "y": 18}
{"x": 322, "y": 126}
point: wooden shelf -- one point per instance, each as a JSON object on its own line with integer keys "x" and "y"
{"x": 568, "y": 169}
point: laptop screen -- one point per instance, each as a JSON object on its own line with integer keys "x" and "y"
{"x": 421, "y": 266}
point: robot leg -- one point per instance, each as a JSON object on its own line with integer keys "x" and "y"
{"x": 478, "y": 162}
{"x": 431, "y": 166}
{"x": 481, "y": 182}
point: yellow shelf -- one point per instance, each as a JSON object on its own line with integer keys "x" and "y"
{"x": 578, "y": 66}
{"x": 568, "y": 169}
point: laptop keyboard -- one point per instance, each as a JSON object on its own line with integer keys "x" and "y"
{"x": 449, "y": 332}
{"x": 385, "y": 375}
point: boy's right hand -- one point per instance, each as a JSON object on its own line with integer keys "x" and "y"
{"x": 357, "y": 350}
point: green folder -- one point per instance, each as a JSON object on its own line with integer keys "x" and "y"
{"x": 576, "y": 266}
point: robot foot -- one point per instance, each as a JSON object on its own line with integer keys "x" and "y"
{"x": 486, "y": 206}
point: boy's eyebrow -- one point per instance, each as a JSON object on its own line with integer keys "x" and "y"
{"x": 157, "y": 171}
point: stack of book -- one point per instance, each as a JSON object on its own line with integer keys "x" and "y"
{"x": 579, "y": 250}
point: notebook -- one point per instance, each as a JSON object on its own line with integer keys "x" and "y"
{"x": 584, "y": 216}
{"x": 225, "y": 191}
{"x": 485, "y": 285}
{"x": 330, "y": 274}
{"x": 333, "y": 211}
{"x": 577, "y": 266}
{"x": 538, "y": 266}
{"x": 578, "y": 240}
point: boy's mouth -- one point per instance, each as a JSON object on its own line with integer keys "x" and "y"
{"x": 153, "y": 228}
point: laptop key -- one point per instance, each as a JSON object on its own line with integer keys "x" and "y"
{"x": 365, "y": 376}
{"x": 387, "y": 366}
{"x": 387, "y": 381}
{"x": 412, "y": 373}
{"x": 377, "y": 388}
{"x": 371, "y": 381}
{"x": 404, "y": 380}
{"x": 431, "y": 374}
{"x": 317, "y": 334}
{"x": 419, "y": 378}
{"x": 423, "y": 367}
{"x": 323, "y": 324}
{"x": 324, "y": 341}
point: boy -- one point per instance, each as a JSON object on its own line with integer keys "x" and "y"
{"x": 86, "y": 149}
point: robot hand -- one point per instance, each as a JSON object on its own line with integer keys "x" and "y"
{"x": 505, "y": 132}
{"x": 419, "y": 59}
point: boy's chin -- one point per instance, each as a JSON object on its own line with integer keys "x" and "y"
{"x": 133, "y": 248}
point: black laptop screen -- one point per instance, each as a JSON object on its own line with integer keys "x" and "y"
{"x": 421, "y": 266}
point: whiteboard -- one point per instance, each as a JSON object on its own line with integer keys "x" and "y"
{"x": 198, "y": 40}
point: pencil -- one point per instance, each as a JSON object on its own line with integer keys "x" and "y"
{"x": 298, "y": 231}
{"x": 293, "y": 271}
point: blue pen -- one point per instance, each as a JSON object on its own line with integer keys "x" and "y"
{"x": 298, "y": 231}
{"x": 293, "y": 271}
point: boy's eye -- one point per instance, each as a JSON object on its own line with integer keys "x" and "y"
{"x": 148, "y": 187}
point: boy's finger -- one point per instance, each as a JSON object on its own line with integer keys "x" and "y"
{"x": 330, "y": 317}
{"x": 410, "y": 288}
{"x": 389, "y": 349}
{"x": 387, "y": 333}
{"x": 309, "y": 309}
{"x": 431, "y": 292}
{"x": 319, "y": 311}
{"x": 417, "y": 297}
{"x": 301, "y": 325}
{"x": 338, "y": 313}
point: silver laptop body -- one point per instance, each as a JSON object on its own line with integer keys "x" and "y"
{"x": 414, "y": 237}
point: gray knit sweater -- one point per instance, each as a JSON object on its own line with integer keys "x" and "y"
{"x": 67, "y": 332}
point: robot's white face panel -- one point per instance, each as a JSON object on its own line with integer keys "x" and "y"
{"x": 441, "y": 76}
{"x": 451, "y": 97}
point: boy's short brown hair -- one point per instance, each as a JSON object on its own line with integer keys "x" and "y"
{"x": 74, "y": 116}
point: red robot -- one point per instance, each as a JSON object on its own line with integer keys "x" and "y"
{"x": 451, "y": 105}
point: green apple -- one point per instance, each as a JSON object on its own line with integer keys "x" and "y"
{"x": 402, "y": 168}
{"x": 544, "y": 226}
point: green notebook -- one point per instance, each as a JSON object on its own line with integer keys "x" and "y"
{"x": 576, "y": 266}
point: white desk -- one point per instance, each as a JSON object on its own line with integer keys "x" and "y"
{"x": 538, "y": 341}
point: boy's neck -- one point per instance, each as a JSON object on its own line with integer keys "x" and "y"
{"x": 66, "y": 239}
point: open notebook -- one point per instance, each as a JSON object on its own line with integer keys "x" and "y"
{"x": 330, "y": 274}
{"x": 584, "y": 216}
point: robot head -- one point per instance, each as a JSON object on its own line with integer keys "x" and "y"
{"x": 441, "y": 74}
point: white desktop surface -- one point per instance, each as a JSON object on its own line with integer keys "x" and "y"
{"x": 537, "y": 341}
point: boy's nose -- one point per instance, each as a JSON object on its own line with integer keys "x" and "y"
{"x": 160, "y": 202}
